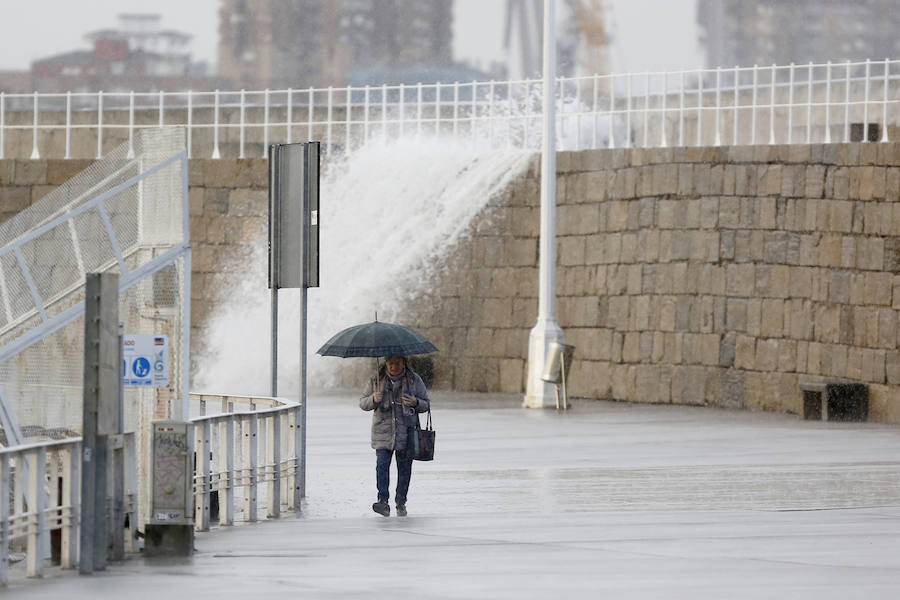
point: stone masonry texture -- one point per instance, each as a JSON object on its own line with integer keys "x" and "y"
{"x": 708, "y": 276}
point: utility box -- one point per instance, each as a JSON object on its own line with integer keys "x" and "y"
{"x": 171, "y": 527}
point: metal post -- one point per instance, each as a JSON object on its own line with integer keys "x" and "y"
{"x": 790, "y": 121}
{"x": 215, "y": 152}
{"x": 847, "y": 105}
{"x": 4, "y": 519}
{"x": 273, "y": 452}
{"x": 265, "y": 149}
{"x": 384, "y": 119}
{"x": 226, "y": 517}
{"x": 190, "y": 121}
{"x": 68, "y": 126}
{"x": 662, "y": 119}
{"x": 241, "y": 133}
{"x": 161, "y": 108}
{"x": 646, "y": 107}
{"x": 402, "y": 109}
{"x": 366, "y": 115}
{"x": 348, "y": 112}
{"x": 772, "y": 106}
{"x": 34, "y": 144}
{"x": 290, "y": 115}
{"x": 755, "y": 103}
{"x": 473, "y": 110}
{"x": 100, "y": 124}
{"x": 827, "y": 102}
{"x": 273, "y": 350}
{"x": 865, "y": 135}
{"x": 456, "y": 109}
{"x": 809, "y": 103}
{"x": 546, "y": 330}
{"x": 303, "y": 397}
{"x": 700, "y": 109}
{"x": 329, "y": 116}
{"x": 718, "y": 140}
{"x": 418, "y": 109}
{"x": 737, "y": 101}
{"x": 611, "y": 140}
{"x": 884, "y": 117}
{"x": 130, "y": 125}
{"x": 37, "y": 504}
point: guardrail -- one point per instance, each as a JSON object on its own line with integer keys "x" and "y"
{"x": 246, "y": 449}
{"x": 741, "y": 105}
{"x": 39, "y": 493}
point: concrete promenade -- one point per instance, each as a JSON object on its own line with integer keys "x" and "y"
{"x": 608, "y": 501}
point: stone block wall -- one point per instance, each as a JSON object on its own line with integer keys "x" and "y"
{"x": 707, "y": 276}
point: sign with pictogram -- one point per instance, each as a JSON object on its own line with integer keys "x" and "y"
{"x": 145, "y": 360}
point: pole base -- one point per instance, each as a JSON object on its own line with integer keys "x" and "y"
{"x": 168, "y": 540}
{"x": 539, "y": 393}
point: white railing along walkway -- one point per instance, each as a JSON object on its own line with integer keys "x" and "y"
{"x": 255, "y": 449}
{"x": 738, "y": 105}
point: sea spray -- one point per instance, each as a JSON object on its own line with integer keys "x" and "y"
{"x": 389, "y": 214}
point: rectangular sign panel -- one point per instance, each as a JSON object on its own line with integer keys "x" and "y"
{"x": 294, "y": 215}
{"x": 145, "y": 360}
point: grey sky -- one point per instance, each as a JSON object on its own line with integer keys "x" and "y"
{"x": 648, "y": 34}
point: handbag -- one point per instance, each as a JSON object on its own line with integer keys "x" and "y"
{"x": 425, "y": 441}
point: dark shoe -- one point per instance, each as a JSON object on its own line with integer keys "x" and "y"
{"x": 382, "y": 508}
{"x": 401, "y": 510}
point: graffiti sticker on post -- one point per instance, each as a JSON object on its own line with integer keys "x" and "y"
{"x": 145, "y": 360}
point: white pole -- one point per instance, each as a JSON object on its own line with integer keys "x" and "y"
{"x": 215, "y": 153}
{"x": 884, "y": 117}
{"x": 827, "y": 104}
{"x": 772, "y": 105}
{"x": 540, "y": 394}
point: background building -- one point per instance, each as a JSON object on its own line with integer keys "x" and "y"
{"x": 737, "y": 32}
{"x": 300, "y": 43}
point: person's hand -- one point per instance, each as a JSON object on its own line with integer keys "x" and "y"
{"x": 410, "y": 401}
{"x": 377, "y": 396}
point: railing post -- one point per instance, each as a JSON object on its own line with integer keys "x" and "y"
{"x": 474, "y": 110}
{"x": 737, "y": 76}
{"x": 790, "y": 121}
{"x": 131, "y": 124}
{"x": 348, "y": 112}
{"x": 491, "y": 112}
{"x": 384, "y": 112}
{"x": 190, "y": 121}
{"x": 611, "y": 140}
{"x": 161, "y": 108}
{"x": 215, "y": 152}
{"x": 419, "y": 109}
{"x": 329, "y": 117}
{"x": 204, "y": 481}
{"x": 366, "y": 115}
{"x": 594, "y": 113}
{"x": 755, "y": 104}
{"x": 646, "y": 107}
{"x": 68, "y": 126}
{"x": 700, "y": 109}
{"x": 241, "y": 132}
{"x": 309, "y": 114}
{"x": 772, "y": 105}
{"x": 847, "y": 105}
{"x": 37, "y": 504}
{"x": 265, "y": 150}
{"x": 4, "y": 519}
{"x": 809, "y": 102}
{"x": 2, "y": 124}
{"x": 662, "y": 124}
{"x": 402, "y": 110}
{"x": 456, "y": 108}
{"x": 437, "y": 109}
{"x": 251, "y": 462}
{"x": 70, "y": 496}
{"x": 100, "y": 124}
{"x": 274, "y": 457}
{"x": 226, "y": 450}
{"x": 296, "y": 449}
{"x": 865, "y": 136}
{"x": 827, "y": 103}
{"x": 34, "y": 143}
{"x": 884, "y": 118}
{"x": 628, "y": 112}
{"x": 718, "y": 139}
{"x": 290, "y": 114}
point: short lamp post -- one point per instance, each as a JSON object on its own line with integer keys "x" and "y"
{"x": 540, "y": 393}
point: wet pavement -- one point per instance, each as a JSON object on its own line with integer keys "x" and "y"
{"x": 608, "y": 500}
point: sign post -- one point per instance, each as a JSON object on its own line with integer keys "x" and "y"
{"x": 293, "y": 258}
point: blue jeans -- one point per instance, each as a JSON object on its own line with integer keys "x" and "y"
{"x": 383, "y": 475}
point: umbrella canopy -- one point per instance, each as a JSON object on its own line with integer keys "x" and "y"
{"x": 376, "y": 339}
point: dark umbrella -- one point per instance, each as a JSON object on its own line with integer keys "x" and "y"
{"x": 376, "y": 339}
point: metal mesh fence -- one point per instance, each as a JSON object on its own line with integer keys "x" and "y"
{"x": 124, "y": 215}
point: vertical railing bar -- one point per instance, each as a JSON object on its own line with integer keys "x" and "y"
{"x": 253, "y": 456}
{"x": 753, "y": 120}
{"x": 455, "y": 109}
{"x": 112, "y": 238}
{"x": 204, "y": 483}
{"x": 227, "y": 450}
{"x": 772, "y": 104}
{"x": 646, "y": 108}
{"x": 34, "y": 144}
{"x": 366, "y": 115}
{"x": 437, "y": 109}
{"x": 491, "y": 112}
{"x": 37, "y": 503}
{"x": 827, "y": 103}
{"x": 809, "y": 102}
{"x": 241, "y": 133}
{"x": 700, "y": 109}
{"x": 594, "y": 92}
{"x": 130, "y": 125}
{"x": 275, "y": 486}
{"x": 790, "y": 122}
{"x": 681, "y": 112}
{"x": 5, "y": 484}
{"x": 100, "y": 124}
{"x": 290, "y": 115}
{"x": 737, "y": 77}
{"x": 131, "y": 489}
{"x": 884, "y": 118}
{"x": 215, "y": 152}
{"x": 348, "y": 117}
{"x": 68, "y": 126}
{"x": 628, "y": 111}
{"x": 161, "y": 108}
{"x": 384, "y": 119}
{"x": 309, "y": 115}
{"x": 662, "y": 120}
{"x": 610, "y": 125}
{"x": 865, "y": 135}
{"x": 718, "y": 138}
{"x": 190, "y": 121}
{"x": 329, "y": 115}
{"x": 473, "y": 111}
{"x": 402, "y": 107}
{"x": 265, "y": 150}
{"x": 847, "y": 105}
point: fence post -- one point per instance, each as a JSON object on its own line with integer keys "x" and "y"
{"x": 866, "y": 102}
{"x": 329, "y": 117}
{"x": 130, "y": 124}
{"x": 273, "y": 441}
{"x": 226, "y": 449}
{"x": 348, "y": 112}
{"x": 646, "y": 107}
{"x": 265, "y": 150}
{"x": 847, "y": 105}
{"x": 215, "y": 152}
{"x": 473, "y": 110}
{"x": 755, "y": 104}
{"x": 790, "y": 121}
{"x": 37, "y": 504}
{"x": 437, "y": 109}
{"x": 190, "y": 121}
{"x": 251, "y": 461}
{"x": 418, "y": 109}
{"x": 4, "y": 519}
{"x": 366, "y": 115}
{"x": 100, "y": 124}
{"x": 611, "y": 140}
{"x": 809, "y": 102}
{"x": 241, "y": 130}
{"x": 737, "y": 76}
{"x": 69, "y": 534}
{"x": 884, "y": 118}
{"x": 68, "y": 126}
{"x": 456, "y": 108}
{"x": 34, "y": 143}
{"x": 772, "y": 105}
{"x": 718, "y": 139}
{"x": 827, "y": 103}
{"x": 203, "y": 483}
{"x": 662, "y": 119}
{"x": 628, "y": 112}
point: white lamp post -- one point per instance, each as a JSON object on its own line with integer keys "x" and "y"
{"x": 538, "y": 393}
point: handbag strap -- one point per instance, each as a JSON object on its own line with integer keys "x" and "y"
{"x": 428, "y": 421}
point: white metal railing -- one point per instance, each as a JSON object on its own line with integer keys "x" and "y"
{"x": 246, "y": 449}
{"x": 740, "y": 105}
{"x": 40, "y": 492}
